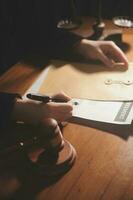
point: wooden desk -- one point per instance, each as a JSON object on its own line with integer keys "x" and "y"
{"x": 104, "y": 165}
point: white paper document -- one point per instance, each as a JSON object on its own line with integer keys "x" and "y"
{"x": 116, "y": 112}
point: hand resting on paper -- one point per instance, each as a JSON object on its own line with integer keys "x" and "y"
{"x": 105, "y": 51}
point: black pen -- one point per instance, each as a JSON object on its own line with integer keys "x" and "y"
{"x": 44, "y": 98}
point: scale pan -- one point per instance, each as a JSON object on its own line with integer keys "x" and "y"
{"x": 123, "y": 21}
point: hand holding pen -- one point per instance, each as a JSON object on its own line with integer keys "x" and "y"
{"x": 34, "y": 110}
{"x": 57, "y": 105}
{"x": 61, "y": 97}
{"x": 37, "y": 107}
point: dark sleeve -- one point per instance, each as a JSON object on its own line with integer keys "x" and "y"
{"x": 66, "y": 39}
{"x": 7, "y": 101}
{"x": 9, "y": 53}
{"x": 56, "y": 41}
{"x": 63, "y": 40}
{"x": 29, "y": 29}
{"x": 45, "y": 33}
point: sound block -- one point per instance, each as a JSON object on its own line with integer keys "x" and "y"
{"x": 52, "y": 163}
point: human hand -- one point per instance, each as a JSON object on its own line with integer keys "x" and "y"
{"x": 60, "y": 111}
{"x": 105, "y": 51}
{"x": 33, "y": 112}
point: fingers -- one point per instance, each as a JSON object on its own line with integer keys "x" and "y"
{"x": 62, "y": 118}
{"x": 60, "y": 111}
{"x": 105, "y": 59}
{"x": 62, "y": 107}
{"x": 119, "y": 55}
{"x": 113, "y": 53}
{"x": 62, "y": 96}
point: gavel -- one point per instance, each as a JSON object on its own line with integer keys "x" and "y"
{"x": 58, "y": 155}
{"x": 47, "y": 150}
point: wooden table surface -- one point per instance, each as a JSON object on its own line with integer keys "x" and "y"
{"x": 104, "y": 166}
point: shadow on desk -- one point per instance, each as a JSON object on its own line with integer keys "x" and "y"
{"x": 122, "y": 131}
{"x": 95, "y": 66}
{"x": 21, "y": 181}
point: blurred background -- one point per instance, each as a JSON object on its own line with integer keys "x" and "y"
{"x": 110, "y": 8}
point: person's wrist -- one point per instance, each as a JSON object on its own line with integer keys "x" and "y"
{"x": 27, "y": 111}
{"x": 77, "y": 46}
{"x": 80, "y": 46}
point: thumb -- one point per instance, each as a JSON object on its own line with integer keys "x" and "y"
{"x": 62, "y": 96}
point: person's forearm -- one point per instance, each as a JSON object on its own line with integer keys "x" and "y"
{"x": 28, "y": 111}
{"x": 7, "y": 101}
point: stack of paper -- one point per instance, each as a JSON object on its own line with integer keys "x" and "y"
{"x": 116, "y": 112}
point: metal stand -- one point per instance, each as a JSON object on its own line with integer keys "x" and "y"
{"x": 99, "y": 32}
